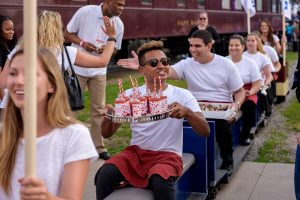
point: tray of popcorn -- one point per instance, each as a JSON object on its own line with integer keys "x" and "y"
{"x": 216, "y": 110}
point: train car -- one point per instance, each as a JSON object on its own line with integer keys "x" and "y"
{"x": 169, "y": 20}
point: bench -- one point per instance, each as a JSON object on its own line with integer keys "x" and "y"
{"x": 133, "y": 193}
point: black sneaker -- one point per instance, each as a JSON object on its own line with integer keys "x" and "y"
{"x": 104, "y": 155}
{"x": 246, "y": 142}
{"x": 228, "y": 168}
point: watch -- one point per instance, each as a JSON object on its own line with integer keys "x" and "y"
{"x": 111, "y": 39}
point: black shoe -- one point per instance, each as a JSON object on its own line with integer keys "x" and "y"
{"x": 228, "y": 168}
{"x": 104, "y": 155}
{"x": 246, "y": 142}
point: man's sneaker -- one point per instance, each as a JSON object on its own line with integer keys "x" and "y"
{"x": 104, "y": 155}
{"x": 228, "y": 168}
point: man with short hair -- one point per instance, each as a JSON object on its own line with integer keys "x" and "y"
{"x": 85, "y": 32}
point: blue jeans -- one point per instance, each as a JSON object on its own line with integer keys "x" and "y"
{"x": 297, "y": 174}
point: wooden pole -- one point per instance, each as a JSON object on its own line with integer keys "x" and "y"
{"x": 283, "y": 39}
{"x": 248, "y": 20}
{"x": 30, "y": 117}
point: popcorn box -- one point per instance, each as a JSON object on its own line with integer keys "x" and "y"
{"x": 215, "y": 110}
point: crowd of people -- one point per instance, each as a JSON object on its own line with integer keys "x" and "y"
{"x": 66, "y": 148}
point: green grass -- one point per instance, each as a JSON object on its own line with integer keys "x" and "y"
{"x": 293, "y": 115}
{"x": 274, "y": 148}
{"x": 291, "y": 57}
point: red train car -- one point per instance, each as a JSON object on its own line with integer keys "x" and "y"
{"x": 169, "y": 20}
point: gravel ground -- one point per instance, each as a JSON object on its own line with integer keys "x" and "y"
{"x": 276, "y": 121}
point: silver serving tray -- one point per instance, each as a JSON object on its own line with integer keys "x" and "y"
{"x": 142, "y": 119}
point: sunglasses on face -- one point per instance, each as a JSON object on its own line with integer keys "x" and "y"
{"x": 154, "y": 62}
{"x": 202, "y": 18}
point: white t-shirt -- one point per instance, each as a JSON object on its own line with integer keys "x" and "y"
{"x": 260, "y": 59}
{"x": 275, "y": 38}
{"x": 72, "y": 51}
{"x": 166, "y": 134}
{"x": 87, "y": 23}
{"x": 54, "y": 150}
{"x": 213, "y": 81}
{"x": 248, "y": 70}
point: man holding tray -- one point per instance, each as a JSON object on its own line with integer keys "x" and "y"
{"x": 211, "y": 78}
{"x": 153, "y": 160}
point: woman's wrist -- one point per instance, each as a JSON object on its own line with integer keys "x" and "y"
{"x": 112, "y": 38}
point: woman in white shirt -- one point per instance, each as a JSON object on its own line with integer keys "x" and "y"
{"x": 268, "y": 36}
{"x": 64, "y": 147}
{"x": 256, "y": 53}
{"x": 252, "y": 79}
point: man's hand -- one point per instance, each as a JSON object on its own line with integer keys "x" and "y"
{"x": 89, "y": 46}
{"x": 178, "y": 111}
{"x": 130, "y": 63}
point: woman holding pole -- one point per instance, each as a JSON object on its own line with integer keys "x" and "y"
{"x": 64, "y": 147}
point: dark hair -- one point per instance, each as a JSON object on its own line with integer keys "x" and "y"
{"x": 238, "y": 37}
{"x": 4, "y": 44}
{"x": 204, "y": 35}
{"x": 270, "y": 33}
{"x": 148, "y": 46}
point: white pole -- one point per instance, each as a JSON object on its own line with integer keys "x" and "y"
{"x": 30, "y": 118}
{"x": 283, "y": 38}
{"x": 248, "y": 20}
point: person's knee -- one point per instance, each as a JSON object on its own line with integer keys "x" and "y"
{"x": 163, "y": 188}
{"x": 106, "y": 173}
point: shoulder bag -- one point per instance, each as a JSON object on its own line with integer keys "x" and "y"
{"x": 75, "y": 94}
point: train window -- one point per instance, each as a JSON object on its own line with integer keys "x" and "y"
{"x": 181, "y": 3}
{"x": 201, "y": 3}
{"x": 225, "y": 4}
{"x": 274, "y": 6}
{"x": 146, "y": 1}
{"x": 237, "y": 5}
{"x": 259, "y": 5}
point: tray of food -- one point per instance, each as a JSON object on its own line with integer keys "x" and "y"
{"x": 215, "y": 110}
{"x": 142, "y": 119}
{"x": 139, "y": 107}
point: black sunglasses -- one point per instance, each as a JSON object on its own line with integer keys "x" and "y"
{"x": 154, "y": 62}
{"x": 202, "y": 18}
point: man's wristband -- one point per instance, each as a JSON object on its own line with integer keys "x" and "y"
{"x": 112, "y": 39}
{"x": 81, "y": 43}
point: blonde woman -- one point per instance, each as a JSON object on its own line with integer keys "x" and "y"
{"x": 64, "y": 147}
{"x": 257, "y": 54}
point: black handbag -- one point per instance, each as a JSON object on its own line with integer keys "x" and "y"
{"x": 75, "y": 95}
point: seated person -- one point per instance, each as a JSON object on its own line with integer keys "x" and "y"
{"x": 251, "y": 77}
{"x": 154, "y": 158}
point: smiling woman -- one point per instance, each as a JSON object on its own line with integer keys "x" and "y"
{"x": 59, "y": 137}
